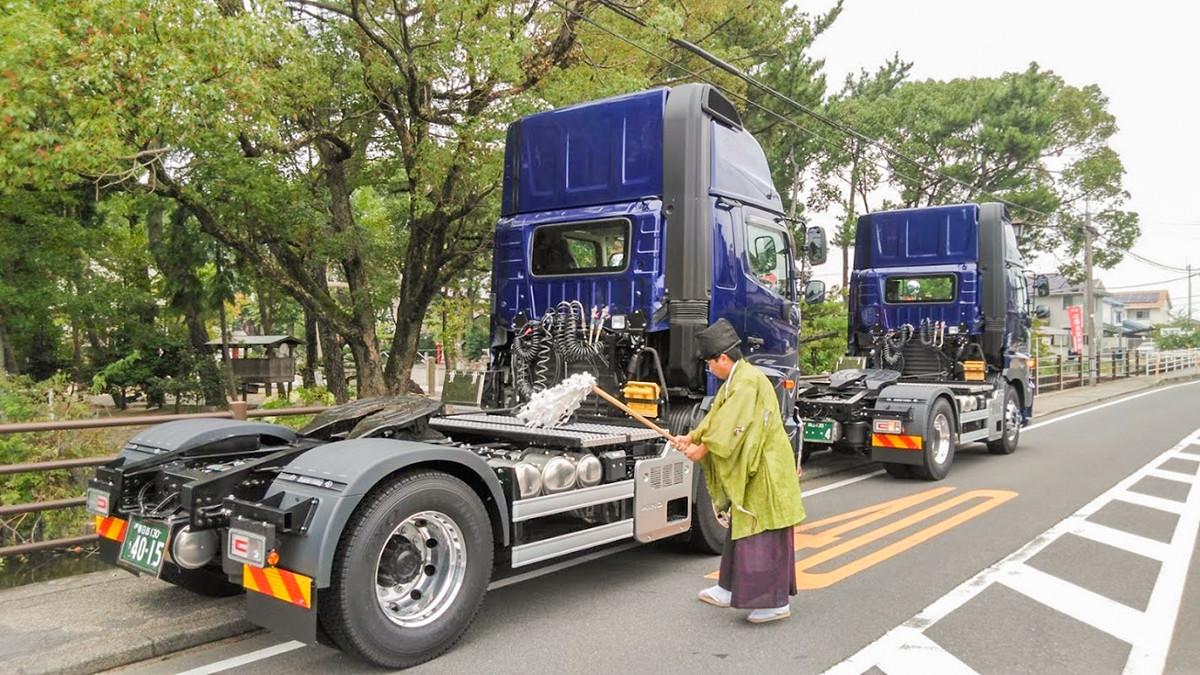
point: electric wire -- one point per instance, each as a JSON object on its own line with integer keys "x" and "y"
{"x": 824, "y": 119}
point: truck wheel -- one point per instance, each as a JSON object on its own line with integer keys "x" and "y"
{"x": 1011, "y": 428}
{"x": 410, "y": 572}
{"x": 708, "y": 534}
{"x": 938, "y": 445}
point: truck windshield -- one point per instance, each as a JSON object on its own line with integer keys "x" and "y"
{"x": 938, "y": 288}
{"x": 598, "y": 246}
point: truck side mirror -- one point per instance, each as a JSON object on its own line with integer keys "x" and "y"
{"x": 1041, "y": 312}
{"x": 765, "y": 254}
{"x": 816, "y": 247}
{"x": 814, "y": 292}
{"x": 1041, "y": 287}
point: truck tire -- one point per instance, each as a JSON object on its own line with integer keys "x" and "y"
{"x": 938, "y": 444}
{"x": 1010, "y": 430}
{"x": 708, "y": 535}
{"x": 410, "y": 572}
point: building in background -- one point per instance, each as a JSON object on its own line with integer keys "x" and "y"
{"x": 1150, "y": 308}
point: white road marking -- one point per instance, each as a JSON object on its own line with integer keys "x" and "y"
{"x": 842, "y": 483}
{"x": 918, "y": 655}
{"x": 234, "y": 662}
{"x": 1149, "y": 632}
{"x": 1156, "y": 390}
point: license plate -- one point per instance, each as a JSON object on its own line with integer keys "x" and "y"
{"x": 819, "y": 432}
{"x": 145, "y": 543}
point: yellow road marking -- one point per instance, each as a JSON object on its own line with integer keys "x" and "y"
{"x": 825, "y": 537}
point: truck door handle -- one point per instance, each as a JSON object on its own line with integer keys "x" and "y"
{"x": 754, "y": 342}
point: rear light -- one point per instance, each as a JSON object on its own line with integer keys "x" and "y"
{"x": 247, "y": 547}
{"x": 889, "y": 427}
{"x": 98, "y": 502}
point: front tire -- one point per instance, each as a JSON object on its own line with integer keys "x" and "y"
{"x": 938, "y": 444}
{"x": 1011, "y": 428}
{"x": 411, "y": 571}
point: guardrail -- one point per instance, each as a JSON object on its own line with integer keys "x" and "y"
{"x": 1057, "y": 372}
{"x": 237, "y": 410}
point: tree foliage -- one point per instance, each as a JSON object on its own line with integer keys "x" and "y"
{"x": 161, "y": 157}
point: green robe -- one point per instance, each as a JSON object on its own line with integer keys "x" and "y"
{"x": 750, "y": 468}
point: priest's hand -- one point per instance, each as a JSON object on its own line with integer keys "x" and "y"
{"x": 696, "y": 452}
{"x": 682, "y": 443}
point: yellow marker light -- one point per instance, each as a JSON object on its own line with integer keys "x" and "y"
{"x": 1032, "y": 363}
{"x": 888, "y": 427}
{"x": 789, "y": 384}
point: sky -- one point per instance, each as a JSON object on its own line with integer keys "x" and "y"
{"x": 1144, "y": 56}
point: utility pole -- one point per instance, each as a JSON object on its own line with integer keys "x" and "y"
{"x": 1189, "y": 269}
{"x": 1089, "y": 325}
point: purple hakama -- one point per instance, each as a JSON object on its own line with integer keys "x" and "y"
{"x": 760, "y": 570}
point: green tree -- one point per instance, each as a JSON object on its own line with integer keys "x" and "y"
{"x": 347, "y": 152}
{"x": 1028, "y": 138}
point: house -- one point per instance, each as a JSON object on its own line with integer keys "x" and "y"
{"x": 1151, "y": 308}
{"x": 1109, "y": 311}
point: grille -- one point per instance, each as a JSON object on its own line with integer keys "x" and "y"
{"x": 666, "y": 476}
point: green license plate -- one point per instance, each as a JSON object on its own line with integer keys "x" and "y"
{"x": 818, "y": 432}
{"x": 144, "y": 545}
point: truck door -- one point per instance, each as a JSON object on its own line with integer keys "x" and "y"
{"x": 772, "y": 317}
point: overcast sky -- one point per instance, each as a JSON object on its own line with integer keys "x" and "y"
{"x": 1145, "y": 56}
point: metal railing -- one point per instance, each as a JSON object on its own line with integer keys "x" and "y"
{"x": 237, "y": 410}
{"x": 1058, "y": 372}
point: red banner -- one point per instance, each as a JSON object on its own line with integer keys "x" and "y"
{"x": 1075, "y": 316}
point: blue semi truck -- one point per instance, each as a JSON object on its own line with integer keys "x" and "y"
{"x": 939, "y": 325}
{"x": 628, "y": 224}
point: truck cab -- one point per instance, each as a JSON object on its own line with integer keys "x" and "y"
{"x": 627, "y": 225}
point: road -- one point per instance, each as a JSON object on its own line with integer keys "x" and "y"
{"x": 1070, "y": 556}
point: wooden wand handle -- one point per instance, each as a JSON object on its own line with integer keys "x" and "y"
{"x": 631, "y": 412}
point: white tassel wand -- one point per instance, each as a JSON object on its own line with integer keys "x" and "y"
{"x": 552, "y": 407}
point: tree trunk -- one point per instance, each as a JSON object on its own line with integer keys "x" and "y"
{"x": 331, "y": 358}
{"x": 361, "y": 338}
{"x": 6, "y": 351}
{"x": 308, "y": 374}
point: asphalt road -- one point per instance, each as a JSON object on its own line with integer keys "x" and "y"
{"x": 1069, "y": 556}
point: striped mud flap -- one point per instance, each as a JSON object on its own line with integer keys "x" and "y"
{"x": 282, "y": 601}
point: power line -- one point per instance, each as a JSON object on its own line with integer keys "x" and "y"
{"x": 823, "y": 139}
{"x": 1153, "y": 283}
{"x": 836, "y": 125}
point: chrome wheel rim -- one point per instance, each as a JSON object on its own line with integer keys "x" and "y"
{"x": 1012, "y": 419}
{"x": 421, "y": 569}
{"x": 940, "y": 439}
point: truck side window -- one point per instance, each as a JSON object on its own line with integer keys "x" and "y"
{"x": 593, "y": 247}
{"x": 768, "y": 253}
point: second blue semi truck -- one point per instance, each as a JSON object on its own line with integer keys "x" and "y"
{"x": 628, "y": 224}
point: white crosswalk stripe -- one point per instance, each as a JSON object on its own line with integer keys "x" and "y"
{"x": 907, "y": 649}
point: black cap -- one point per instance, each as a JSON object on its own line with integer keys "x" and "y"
{"x": 716, "y": 340}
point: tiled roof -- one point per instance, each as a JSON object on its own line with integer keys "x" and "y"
{"x": 1146, "y": 299}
